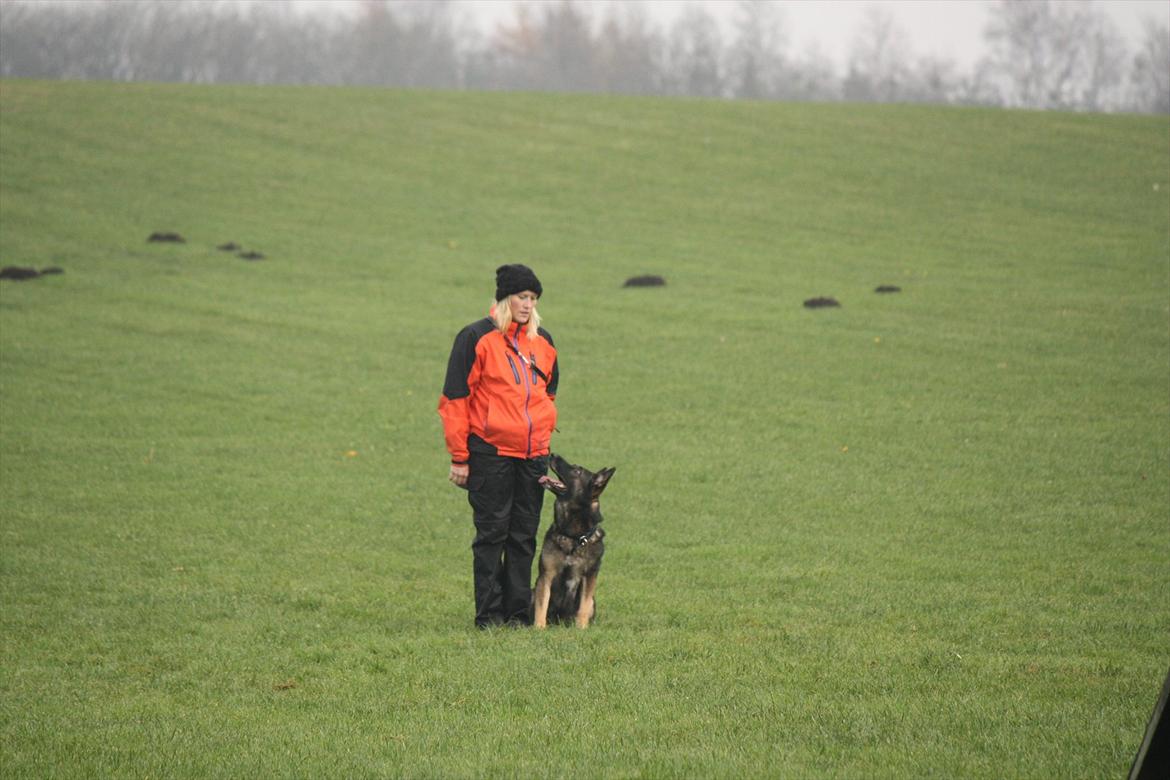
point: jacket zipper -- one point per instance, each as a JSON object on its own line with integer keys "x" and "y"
{"x": 515, "y": 373}
{"x": 527, "y": 390}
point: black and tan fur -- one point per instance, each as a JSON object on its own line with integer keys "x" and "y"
{"x": 570, "y": 557}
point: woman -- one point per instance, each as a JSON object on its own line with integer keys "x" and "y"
{"x": 498, "y": 416}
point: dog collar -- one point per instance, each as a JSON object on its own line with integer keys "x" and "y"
{"x": 586, "y": 538}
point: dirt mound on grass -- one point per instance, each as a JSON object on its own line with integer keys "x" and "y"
{"x": 230, "y": 246}
{"x": 821, "y": 303}
{"x": 18, "y": 274}
{"x": 645, "y": 281}
{"x": 888, "y": 288}
{"x": 251, "y": 255}
{"x": 166, "y": 238}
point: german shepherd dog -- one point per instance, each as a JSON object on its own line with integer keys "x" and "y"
{"x": 571, "y": 554}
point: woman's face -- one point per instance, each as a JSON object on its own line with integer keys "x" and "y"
{"x": 522, "y": 304}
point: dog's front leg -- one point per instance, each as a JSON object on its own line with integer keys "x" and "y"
{"x": 585, "y": 611}
{"x": 543, "y": 589}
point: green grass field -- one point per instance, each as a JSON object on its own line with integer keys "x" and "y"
{"x": 924, "y": 534}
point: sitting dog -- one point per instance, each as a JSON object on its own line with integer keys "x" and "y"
{"x": 571, "y": 554}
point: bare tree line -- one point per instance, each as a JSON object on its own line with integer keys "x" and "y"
{"x": 1039, "y": 54}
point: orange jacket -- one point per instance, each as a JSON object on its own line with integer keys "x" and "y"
{"x": 493, "y": 393}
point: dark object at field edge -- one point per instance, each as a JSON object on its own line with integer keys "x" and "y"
{"x": 645, "y": 281}
{"x": 230, "y": 246}
{"x": 888, "y": 288}
{"x": 251, "y": 255}
{"x": 820, "y": 303}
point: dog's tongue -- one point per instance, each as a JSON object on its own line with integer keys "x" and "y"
{"x": 549, "y": 482}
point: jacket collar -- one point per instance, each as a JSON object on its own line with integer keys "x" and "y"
{"x": 514, "y": 329}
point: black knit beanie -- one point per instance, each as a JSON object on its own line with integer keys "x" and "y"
{"x": 511, "y": 279}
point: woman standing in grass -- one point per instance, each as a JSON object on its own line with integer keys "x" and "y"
{"x": 498, "y": 416}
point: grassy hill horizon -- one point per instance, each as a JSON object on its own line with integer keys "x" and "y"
{"x": 921, "y": 533}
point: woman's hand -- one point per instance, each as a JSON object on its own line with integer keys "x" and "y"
{"x": 459, "y": 472}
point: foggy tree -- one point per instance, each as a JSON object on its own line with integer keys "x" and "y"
{"x": 372, "y": 53}
{"x": 630, "y": 54}
{"x": 568, "y": 47}
{"x": 428, "y": 50}
{"x": 1040, "y": 53}
{"x": 516, "y": 48}
{"x": 755, "y": 59}
{"x": 260, "y": 41}
{"x": 1104, "y": 57}
{"x": 1049, "y": 55}
{"x": 548, "y": 47}
{"x": 695, "y": 52}
{"x": 978, "y": 87}
{"x": 483, "y": 66}
{"x": 40, "y": 42}
{"x": 20, "y": 41}
{"x": 1103, "y": 65}
{"x": 811, "y": 76}
{"x": 1021, "y": 51}
{"x": 1150, "y": 77}
{"x": 877, "y": 70}
{"x": 932, "y": 80}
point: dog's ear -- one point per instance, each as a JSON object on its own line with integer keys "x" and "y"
{"x": 600, "y": 480}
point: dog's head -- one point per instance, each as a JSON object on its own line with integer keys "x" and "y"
{"x": 575, "y": 484}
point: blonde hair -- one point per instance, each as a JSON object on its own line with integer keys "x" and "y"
{"x": 502, "y": 316}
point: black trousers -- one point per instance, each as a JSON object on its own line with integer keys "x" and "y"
{"x": 506, "y": 499}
